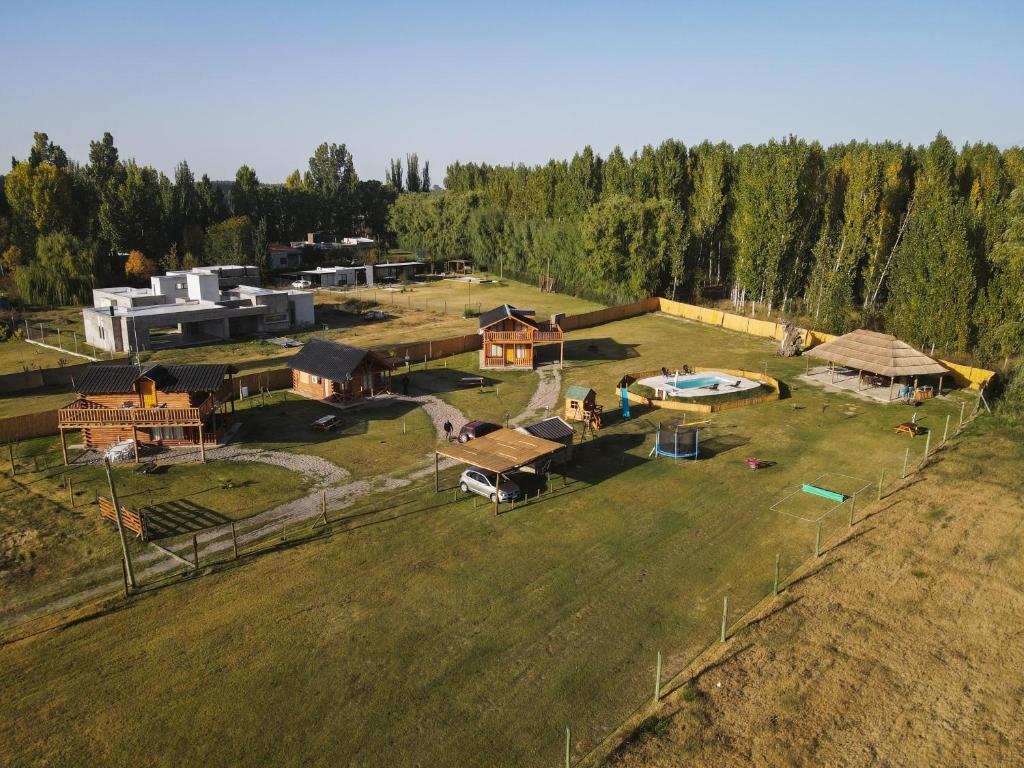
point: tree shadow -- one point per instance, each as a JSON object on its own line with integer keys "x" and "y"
{"x": 598, "y": 350}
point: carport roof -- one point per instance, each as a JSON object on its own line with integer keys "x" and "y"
{"x": 500, "y": 451}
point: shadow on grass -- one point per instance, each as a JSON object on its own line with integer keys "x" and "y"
{"x": 598, "y": 350}
{"x": 182, "y": 516}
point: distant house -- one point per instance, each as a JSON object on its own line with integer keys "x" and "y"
{"x": 284, "y": 257}
{"x": 510, "y": 335}
{"x": 193, "y": 306}
{"x": 154, "y": 404}
{"x": 557, "y": 430}
{"x": 325, "y": 369}
{"x": 364, "y": 274}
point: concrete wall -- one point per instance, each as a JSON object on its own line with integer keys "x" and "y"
{"x": 203, "y": 287}
{"x": 301, "y": 307}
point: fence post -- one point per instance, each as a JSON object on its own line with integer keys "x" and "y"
{"x": 853, "y": 505}
{"x": 775, "y": 584}
{"x": 960, "y": 425}
{"x": 945, "y": 430}
{"x": 881, "y": 478}
{"x": 657, "y": 679}
{"x": 927, "y": 445}
{"x": 906, "y": 458}
{"x": 817, "y": 541}
{"x": 71, "y": 492}
{"x": 10, "y": 454}
{"x": 234, "y": 541}
{"x": 725, "y": 616}
{"x": 323, "y": 505}
{"x": 568, "y": 743}
{"x": 195, "y": 549}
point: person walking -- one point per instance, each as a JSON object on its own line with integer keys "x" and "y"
{"x": 448, "y": 430}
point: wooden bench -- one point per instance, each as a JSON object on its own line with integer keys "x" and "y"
{"x": 909, "y": 428}
{"x": 472, "y": 381}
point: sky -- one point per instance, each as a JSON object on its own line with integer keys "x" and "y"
{"x": 221, "y": 84}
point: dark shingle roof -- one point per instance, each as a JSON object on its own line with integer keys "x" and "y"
{"x": 555, "y": 429}
{"x": 120, "y": 379}
{"x": 491, "y": 316}
{"x": 331, "y": 360}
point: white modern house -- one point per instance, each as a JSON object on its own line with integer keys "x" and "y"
{"x": 366, "y": 274}
{"x": 194, "y": 306}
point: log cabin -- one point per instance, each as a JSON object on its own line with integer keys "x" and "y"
{"x": 327, "y": 370}
{"x": 510, "y": 336}
{"x": 150, "y": 404}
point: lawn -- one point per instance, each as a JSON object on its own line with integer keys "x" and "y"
{"x": 432, "y": 632}
{"x": 46, "y": 540}
{"x": 370, "y": 440}
{"x": 503, "y": 396}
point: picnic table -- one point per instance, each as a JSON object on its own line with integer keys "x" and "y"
{"x": 472, "y": 381}
{"x": 909, "y": 428}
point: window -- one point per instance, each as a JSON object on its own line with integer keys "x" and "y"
{"x": 279, "y": 318}
{"x": 179, "y": 286}
{"x": 520, "y": 351}
{"x": 168, "y": 433}
{"x": 314, "y": 379}
{"x": 102, "y": 332}
{"x": 495, "y": 350}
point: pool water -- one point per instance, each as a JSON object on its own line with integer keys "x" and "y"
{"x": 697, "y": 382}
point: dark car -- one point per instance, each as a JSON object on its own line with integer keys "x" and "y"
{"x": 474, "y": 429}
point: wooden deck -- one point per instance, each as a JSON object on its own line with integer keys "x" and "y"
{"x": 80, "y": 414}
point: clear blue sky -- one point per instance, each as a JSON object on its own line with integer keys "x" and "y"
{"x": 229, "y": 82}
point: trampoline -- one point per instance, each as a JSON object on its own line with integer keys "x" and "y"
{"x": 676, "y": 441}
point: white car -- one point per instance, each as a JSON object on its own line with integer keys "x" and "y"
{"x": 477, "y": 481}
{"x": 302, "y": 284}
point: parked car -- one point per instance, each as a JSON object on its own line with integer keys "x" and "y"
{"x": 302, "y": 284}
{"x": 474, "y": 429}
{"x": 477, "y": 481}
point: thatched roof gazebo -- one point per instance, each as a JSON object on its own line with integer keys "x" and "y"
{"x": 880, "y": 354}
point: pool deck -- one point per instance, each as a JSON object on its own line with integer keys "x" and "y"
{"x": 662, "y": 385}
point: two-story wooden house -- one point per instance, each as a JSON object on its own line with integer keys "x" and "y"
{"x": 150, "y": 404}
{"x": 325, "y": 369}
{"x": 510, "y": 336}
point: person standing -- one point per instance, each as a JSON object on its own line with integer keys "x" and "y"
{"x": 448, "y": 430}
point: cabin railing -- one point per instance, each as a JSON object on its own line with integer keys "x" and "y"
{"x": 508, "y": 336}
{"x": 82, "y": 413}
{"x": 540, "y": 336}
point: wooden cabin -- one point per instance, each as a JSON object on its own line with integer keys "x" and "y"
{"x": 510, "y": 335}
{"x": 327, "y": 370}
{"x": 154, "y": 404}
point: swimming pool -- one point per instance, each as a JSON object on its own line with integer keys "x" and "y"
{"x": 701, "y": 384}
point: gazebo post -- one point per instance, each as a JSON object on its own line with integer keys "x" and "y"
{"x": 940, "y": 382}
{"x": 832, "y": 371}
{"x": 892, "y": 380}
{"x": 497, "y": 485}
{"x": 860, "y": 379}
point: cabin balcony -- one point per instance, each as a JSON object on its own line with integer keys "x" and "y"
{"x": 500, "y": 336}
{"x": 82, "y": 413}
{"x": 546, "y": 336}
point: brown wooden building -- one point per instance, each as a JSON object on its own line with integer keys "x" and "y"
{"x": 154, "y": 404}
{"x": 510, "y": 335}
{"x": 328, "y": 370}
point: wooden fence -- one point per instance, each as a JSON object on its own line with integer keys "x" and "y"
{"x": 16, "y": 428}
{"x": 47, "y": 377}
{"x": 135, "y": 522}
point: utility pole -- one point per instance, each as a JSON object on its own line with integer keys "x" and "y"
{"x": 120, "y": 525}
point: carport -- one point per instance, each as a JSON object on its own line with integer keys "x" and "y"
{"x": 504, "y": 450}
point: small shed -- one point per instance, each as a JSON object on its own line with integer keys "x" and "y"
{"x": 579, "y": 403}
{"x": 557, "y": 430}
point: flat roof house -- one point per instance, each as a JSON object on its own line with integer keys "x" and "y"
{"x": 182, "y": 308}
{"x": 365, "y": 274}
{"x": 151, "y": 404}
{"x": 327, "y": 370}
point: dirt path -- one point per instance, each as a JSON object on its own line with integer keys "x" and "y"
{"x": 545, "y": 398}
{"x": 903, "y": 647}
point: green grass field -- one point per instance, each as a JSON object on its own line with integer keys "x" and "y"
{"x": 427, "y": 631}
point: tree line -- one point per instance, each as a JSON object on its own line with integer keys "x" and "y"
{"x": 926, "y": 242}
{"x": 66, "y": 227}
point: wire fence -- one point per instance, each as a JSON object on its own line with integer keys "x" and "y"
{"x": 724, "y": 614}
{"x": 64, "y": 340}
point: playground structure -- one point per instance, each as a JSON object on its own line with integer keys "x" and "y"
{"x": 581, "y": 405}
{"x": 679, "y": 441}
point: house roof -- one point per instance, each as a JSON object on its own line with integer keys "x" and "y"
{"x": 492, "y": 316}
{"x": 555, "y": 428}
{"x": 576, "y": 392}
{"x": 877, "y": 353}
{"x": 331, "y": 360}
{"x": 500, "y": 451}
{"x": 118, "y": 379}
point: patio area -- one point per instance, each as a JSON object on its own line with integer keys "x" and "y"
{"x": 847, "y": 380}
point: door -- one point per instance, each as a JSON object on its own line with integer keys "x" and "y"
{"x": 510, "y": 354}
{"x": 147, "y": 389}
